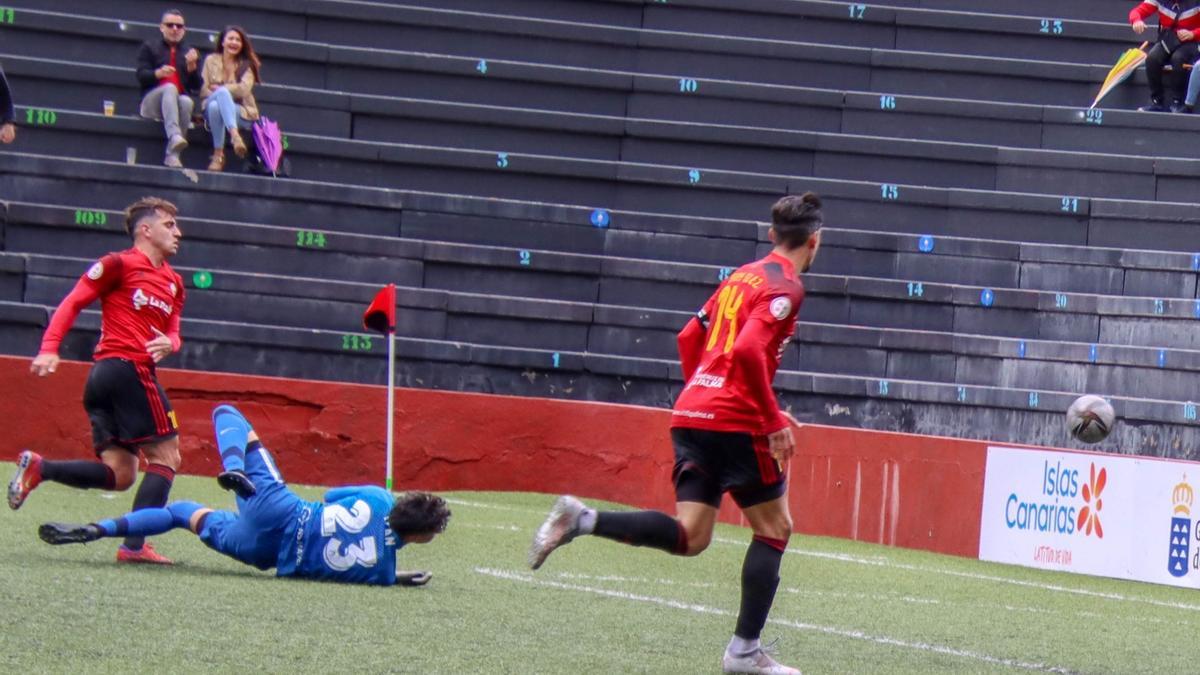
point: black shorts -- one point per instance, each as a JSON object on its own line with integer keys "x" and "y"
{"x": 711, "y": 463}
{"x": 127, "y": 406}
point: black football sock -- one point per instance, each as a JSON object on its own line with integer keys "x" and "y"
{"x": 760, "y": 578}
{"x": 643, "y": 528}
{"x": 152, "y": 493}
{"x": 80, "y": 474}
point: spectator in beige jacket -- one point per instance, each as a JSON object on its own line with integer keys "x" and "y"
{"x": 227, "y": 97}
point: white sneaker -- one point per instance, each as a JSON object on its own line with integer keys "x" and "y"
{"x": 759, "y": 662}
{"x": 176, "y": 145}
{"x": 173, "y": 161}
{"x": 561, "y": 526}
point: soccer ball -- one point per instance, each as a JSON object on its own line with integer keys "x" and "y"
{"x": 1090, "y": 418}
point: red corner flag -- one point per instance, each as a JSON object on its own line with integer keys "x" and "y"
{"x": 381, "y": 315}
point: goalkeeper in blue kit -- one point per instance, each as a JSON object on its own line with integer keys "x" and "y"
{"x": 350, "y": 537}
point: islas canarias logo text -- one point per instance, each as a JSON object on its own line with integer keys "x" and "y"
{"x": 1064, "y": 504}
{"x": 1182, "y": 498}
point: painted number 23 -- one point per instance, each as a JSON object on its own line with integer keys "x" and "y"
{"x": 728, "y": 304}
{"x": 350, "y": 521}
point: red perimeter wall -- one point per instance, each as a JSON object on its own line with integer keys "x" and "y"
{"x": 897, "y": 489}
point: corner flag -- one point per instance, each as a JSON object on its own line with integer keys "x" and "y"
{"x": 381, "y": 317}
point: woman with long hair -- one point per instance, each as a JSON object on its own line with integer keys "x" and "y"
{"x": 227, "y": 97}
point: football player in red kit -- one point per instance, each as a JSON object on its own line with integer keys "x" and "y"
{"x": 141, "y": 299}
{"x": 728, "y": 431}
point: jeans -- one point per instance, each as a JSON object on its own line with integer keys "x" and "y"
{"x": 1161, "y": 88}
{"x": 165, "y": 103}
{"x": 222, "y": 114}
{"x": 1193, "y": 91}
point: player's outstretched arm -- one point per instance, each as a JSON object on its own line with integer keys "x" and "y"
{"x": 404, "y": 578}
{"x": 84, "y": 294}
{"x": 691, "y": 347}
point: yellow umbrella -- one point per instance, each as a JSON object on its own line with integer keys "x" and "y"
{"x": 1129, "y": 61}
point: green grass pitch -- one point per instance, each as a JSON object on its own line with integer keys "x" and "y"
{"x": 596, "y": 607}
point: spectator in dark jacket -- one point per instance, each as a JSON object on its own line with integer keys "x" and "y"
{"x": 168, "y": 70}
{"x": 8, "y": 114}
{"x": 1178, "y": 30}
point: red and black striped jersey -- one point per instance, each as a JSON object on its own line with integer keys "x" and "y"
{"x": 136, "y": 298}
{"x": 731, "y": 350}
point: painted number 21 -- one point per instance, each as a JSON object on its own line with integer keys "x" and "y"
{"x": 350, "y": 521}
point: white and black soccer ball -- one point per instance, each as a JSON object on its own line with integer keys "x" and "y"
{"x": 1090, "y": 418}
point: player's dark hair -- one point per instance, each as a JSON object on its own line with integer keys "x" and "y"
{"x": 419, "y": 513}
{"x": 796, "y": 218}
{"x": 172, "y": 12}
{"x": 144, "y": 208}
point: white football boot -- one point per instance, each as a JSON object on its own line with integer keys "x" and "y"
{"x": 561, "y": 526}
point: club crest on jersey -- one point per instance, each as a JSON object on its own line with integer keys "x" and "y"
{"x": 96, "y": 271}
{"x": 174, "y": 290}
{"x": 141, "y": 299}
{"x": 781, "y": 307}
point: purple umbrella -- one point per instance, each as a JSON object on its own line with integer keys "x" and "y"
{"x": 269, "y": 141}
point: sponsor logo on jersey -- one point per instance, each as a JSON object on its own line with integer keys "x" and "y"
{"x": 96, "y": 271}
{"x": 781, "y": 307}
{"x": 301, "y": 519}
{"x": 141, "y": 299}
{"x": 707, "y": 381}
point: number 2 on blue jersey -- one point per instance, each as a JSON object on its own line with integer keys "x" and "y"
{"x": 363, "y": 552}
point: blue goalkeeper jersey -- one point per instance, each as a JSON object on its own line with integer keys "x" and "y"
{"x": 345, "y": 539}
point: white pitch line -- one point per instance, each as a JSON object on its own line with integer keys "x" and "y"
{"x": 883, "y": 562}
{"x": 868, "y": 597}
{"x": 495, "y": 507}
{"x": 502, "y": 528}
{"x": 828, "y": 630}
{"x": 632, "y": 580}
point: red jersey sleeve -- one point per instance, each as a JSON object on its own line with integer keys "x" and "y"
{"x": 690, "y": 340}
{"x": 173, "y": 331}
{"x": 771, "y": 317}
{"x": 750, "y": 354}
{"x": 100, "y": 278}
{"x": 1142, "y": 12}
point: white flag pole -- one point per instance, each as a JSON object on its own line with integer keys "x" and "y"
{"x": 391, "y": 398}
